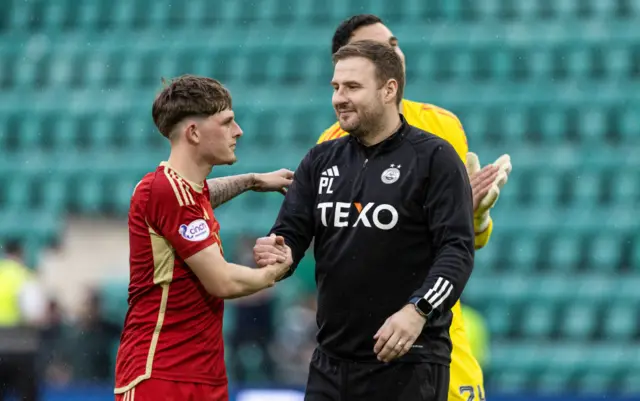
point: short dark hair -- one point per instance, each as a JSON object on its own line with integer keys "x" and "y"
{"x": 188, "y": 96}
{"x": 387, "y": 62}
{"x": 346, "y": 29}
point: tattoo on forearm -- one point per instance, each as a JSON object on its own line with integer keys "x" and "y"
{"x": 224, "y": 189}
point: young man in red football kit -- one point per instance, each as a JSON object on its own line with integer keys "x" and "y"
{"x": 172, "y": 347}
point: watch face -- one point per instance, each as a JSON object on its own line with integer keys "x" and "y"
{"x": 424, "y": 306}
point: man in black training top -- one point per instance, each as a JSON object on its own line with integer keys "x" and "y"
{"x": 391, "y": 211}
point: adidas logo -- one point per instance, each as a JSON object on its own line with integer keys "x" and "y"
{"x": 331, "y": 172}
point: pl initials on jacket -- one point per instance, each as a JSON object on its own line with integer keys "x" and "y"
{"x": 392, "y": 222}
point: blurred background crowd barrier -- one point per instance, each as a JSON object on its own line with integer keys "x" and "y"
{"x": 553, "y": 306}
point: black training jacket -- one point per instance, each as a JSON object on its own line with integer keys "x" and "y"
{"x": 391, "y": 222}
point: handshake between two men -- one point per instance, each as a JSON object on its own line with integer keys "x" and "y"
{"x": 399, "y": 332}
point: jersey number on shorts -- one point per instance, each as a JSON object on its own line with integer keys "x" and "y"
{"x": 472, "y": 395}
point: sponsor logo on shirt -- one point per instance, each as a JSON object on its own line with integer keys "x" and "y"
{"x": 195, "y": 231}
{"x": 381, "y": 216}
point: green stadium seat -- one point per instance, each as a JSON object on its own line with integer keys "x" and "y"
{"x": 89, "y": 15}
{"x": 524, "y": 253}
{"x": 99, "y": 136}
{"x": 624, "y": 290}
{"x": 54, "y": 194}
{"x": 593, "y": 126}
{"x": 127, "y": 72}
{"x": 511, "y": 381}
{"x": 532, "y": 358}
{"x": 477, "y": 290}
{"x": 565, "y": 252}
{"x": 578, "y": 321}
{"x": 553, "y": 382}
{"x": 539, "y": 321}
{"x": 604, "y": 364}
{"x": 553, "y": 125}
{"x": 121, "y": 197}
{"x": 136, "y": 133}
{"x": 13, "y": 225}
{"x": 605, "y": 253}
{"x": 62, "y": 135}
{"x": 486, "y": 259}
{"x": 499, "y": 320}
{"x": 625, "y": 188}
{"x": 564, "y": 357}
{"x": 124, "y": 15}
{"x": 553, "y": 289}
{"x": 90, "y": 196}
{"x": 586, "y": 188}
{"x": 96, "y": 71}
{"x": 514, "y": 125}
{"x": 618, "y": 62}
{"x": 582, "y": 291}
{"x": 620, "y": 322}
{"x": 629, "y": 124}
{"x": 18, "y": 194}
{"x": 544, "y": 190}
{"x": 26, "y": 132}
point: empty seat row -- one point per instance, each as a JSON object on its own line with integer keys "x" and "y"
{"x": 98, "y": 15}
{"x": 79, "y": 193}
{"x": 555, "y": 289}
{"x": 298, "y": 64}
{"x": 93, "y": 132}
{"x": 86, "y": 132}
{"x": 34, "y": 227}
{"x": 553, "y": 124}
{"x": 302, "y": 125}
{"x": 566, "y": 188}
{"x": 580, "y": 251}
{"x": 564, "y": 368}
{"x": 579, "y": 320}
{"x": 581, "y": 198}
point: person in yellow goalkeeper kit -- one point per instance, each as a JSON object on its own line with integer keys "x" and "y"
{"x": 466, "y": 374}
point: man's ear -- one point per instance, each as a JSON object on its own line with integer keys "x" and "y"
{"x": 390, "y": 91}
{"x": 190, "y": 131}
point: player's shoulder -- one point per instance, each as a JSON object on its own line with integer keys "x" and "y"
{"x": 438, "y": 121}
{"x": 431, "y": 110}
{"x": 166, "y": 186}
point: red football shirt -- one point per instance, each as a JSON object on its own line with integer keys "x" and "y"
{"x": 173, "y": 328}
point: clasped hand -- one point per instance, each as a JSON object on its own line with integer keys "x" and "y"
{"x": 271, "y": 250}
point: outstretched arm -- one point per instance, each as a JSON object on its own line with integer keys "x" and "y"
{"x": 293, "y": 230}
{"x": 224, "y": 189}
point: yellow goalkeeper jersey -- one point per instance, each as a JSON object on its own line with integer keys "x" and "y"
{"x": 466, "y": 374}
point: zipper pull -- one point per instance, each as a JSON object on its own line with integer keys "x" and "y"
{"x": 365, "y": 162}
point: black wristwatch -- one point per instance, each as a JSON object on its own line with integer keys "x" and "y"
{"x": 423, "y": 307}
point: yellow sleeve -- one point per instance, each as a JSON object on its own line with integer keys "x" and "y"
{"x": 458, "y": 139}
{"x": 328, "y": 133}
{"x": 455, "y": 134}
